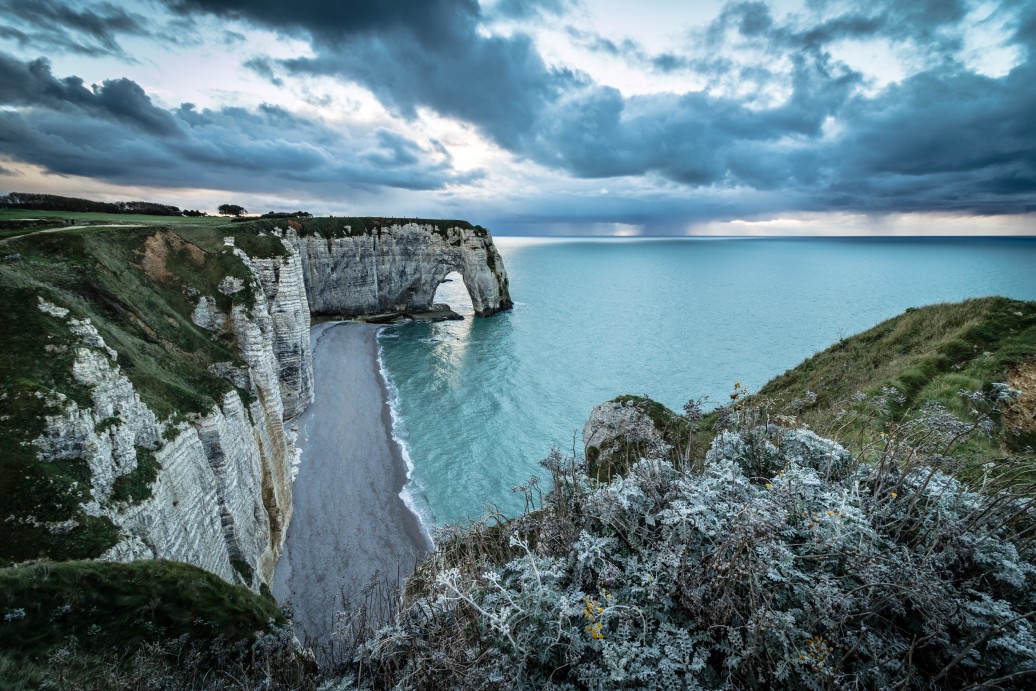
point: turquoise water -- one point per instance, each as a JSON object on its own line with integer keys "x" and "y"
{"x": 479, "y": 402}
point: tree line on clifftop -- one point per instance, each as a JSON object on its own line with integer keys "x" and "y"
{"x": 52, "y": 202}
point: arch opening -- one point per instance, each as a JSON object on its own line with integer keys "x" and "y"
{"x": 453, "y": 292}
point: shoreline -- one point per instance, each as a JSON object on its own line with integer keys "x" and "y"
{"x": 351, "y": 525}
{"x": 403, "y": 464}
{"x": 393, "y": 422}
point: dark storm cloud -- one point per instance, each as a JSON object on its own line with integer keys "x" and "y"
{"x": 964, "y": 141}
{"x": 944, "y": 139}
{"x": 433, "y": 19}
{"x": 694, "y": 139}
{"x": 414, "y": 53}
{"x": 499, "y": 84}
{"x": 557, "y": 118}
{"x": 121, "y": 100}
{"x": 923, "y": 22}
{"x": 396, "y": 150}
{"x": 90, "y": 30}
{"x": 114, "y": 132}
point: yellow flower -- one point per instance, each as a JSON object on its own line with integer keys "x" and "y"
{"x": 769, "y": 485}
{"x": 894, "y": 495}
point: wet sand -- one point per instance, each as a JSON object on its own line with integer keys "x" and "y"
{"x": 349, "y": 525}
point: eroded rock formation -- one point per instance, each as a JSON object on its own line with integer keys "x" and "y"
{"x": 398, "y": 269}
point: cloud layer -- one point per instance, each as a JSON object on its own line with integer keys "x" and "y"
{"x": 113, "y": 131}
{"x": 774, "y": 116}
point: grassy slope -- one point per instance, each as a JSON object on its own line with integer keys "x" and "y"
{"x": 90, "y": 217}
{"x": 105, "y": 607}
{"x": 12, "y": 224}
{"x": 928, "y": 354}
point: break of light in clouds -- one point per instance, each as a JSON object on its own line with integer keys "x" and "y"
{"x": 541, "y": 116}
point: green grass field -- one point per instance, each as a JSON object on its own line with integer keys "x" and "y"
{"x": 90, "y": 217}
{"x": 16, "y": 223}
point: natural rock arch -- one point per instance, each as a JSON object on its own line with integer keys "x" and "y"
{"x": 398, "y": 268}
{"x": 454, "y": 292}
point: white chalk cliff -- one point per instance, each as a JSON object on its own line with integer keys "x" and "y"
{"x": 398, "y": 268}
{"x": 222, "y": 496}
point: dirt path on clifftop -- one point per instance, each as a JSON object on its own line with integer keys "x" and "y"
{"x": 64, "y": 228}
{"x": 349, "y": 524}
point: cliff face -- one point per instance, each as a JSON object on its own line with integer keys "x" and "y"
{"x": 221, "y": 496}
{"x": 398, "y": 269}
{"x": 213, "y": 488}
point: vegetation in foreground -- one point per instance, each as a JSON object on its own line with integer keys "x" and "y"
{"x": 738, "y": 548}
{"x": 782, "y": 560}
{"x": 145, "y": 625}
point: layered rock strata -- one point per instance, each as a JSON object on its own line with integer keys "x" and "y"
{"x": 397, "y": 269}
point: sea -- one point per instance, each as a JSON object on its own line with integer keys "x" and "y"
{"x": 476, "y": 404}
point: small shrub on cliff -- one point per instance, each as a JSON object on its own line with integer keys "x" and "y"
{"x": 783, "y": 562}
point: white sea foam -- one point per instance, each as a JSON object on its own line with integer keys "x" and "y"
{"x": 411, "y": 494}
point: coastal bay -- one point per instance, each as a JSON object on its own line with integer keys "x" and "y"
{"x": 350, "y": 526}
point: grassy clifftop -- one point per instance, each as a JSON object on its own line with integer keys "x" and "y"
{"x": 353, "y": 226}
{"x": 927, "y": 355}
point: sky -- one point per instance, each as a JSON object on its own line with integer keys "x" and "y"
{"x": 536, "y": 117}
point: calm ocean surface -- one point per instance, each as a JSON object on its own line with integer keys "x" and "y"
{"x": 478, "y": 403}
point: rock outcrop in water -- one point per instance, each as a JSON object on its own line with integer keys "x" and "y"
{"x": 398, "y": 268}
{"x": 217, "y": 486}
